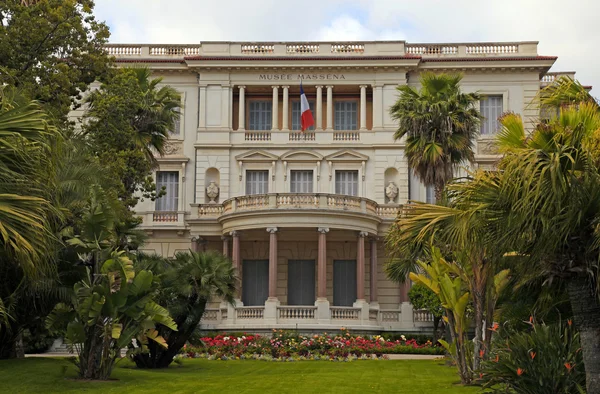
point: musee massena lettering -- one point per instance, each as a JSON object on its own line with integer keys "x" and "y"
{"x": 289, "y": 77}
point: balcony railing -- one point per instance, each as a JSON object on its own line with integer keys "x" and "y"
{"x": 296, "y": 312}
{"x": 297, "y": 201}
{"x": 335, "y": 49}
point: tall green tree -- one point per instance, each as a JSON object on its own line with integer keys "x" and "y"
{"x": 440, "y": 124}
{"x": 186, "y": 285}
{"x": 53, "y": 50}
{"x": 127, "y": 124}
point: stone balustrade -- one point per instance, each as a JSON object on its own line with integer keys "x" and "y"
{"x": 257, "y": 136}
{"x": 346, "y": 136}
{"x": 296, "y": 312}
{"x": 298, "y": 136}
{"x": 165, "y": 217}
{"x": 281, "y": 316}
{"x": 335, "y": 49}
{"x": 250, "y": 312}
{"x": 331, "y": 202}
{"x": 345, "y": 313}
{"x": 550, "y": 77}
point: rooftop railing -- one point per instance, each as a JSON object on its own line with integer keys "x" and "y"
{"x": 324, "y": 49}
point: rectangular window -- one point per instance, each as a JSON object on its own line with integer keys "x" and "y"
{"x": 344, "y": 282}
{"x": 301, "y": 181}
{"x": 260, "y": 115}
{"x": 176, "y": 131}
{"x": 346, "y": 115}
{"x": 257, "y": 182}
{"x": 430, "y": 194}
{"x": 296, "y": 114}
{"x": 491, "y": 108}
{"x": 346, "y": 182}
{"x": 170, "y": 181}
{"x": 255, "y": 282}
{"x": 301, "y": 290}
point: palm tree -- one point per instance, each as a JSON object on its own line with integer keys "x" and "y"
{"x": 549, "y": 190}
{"x": 187, "y": 284}
{"x": 440, "y": 123}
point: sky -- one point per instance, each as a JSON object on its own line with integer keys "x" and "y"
{"x": 569, "y": 30}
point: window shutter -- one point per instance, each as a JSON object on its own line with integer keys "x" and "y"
{"x": 260, "y": 115}
{"x": 257, "y": 182}
{"x": 346, "y": 115}
{"x": 301, "y": 181}
{"x": 346, "y": 182}
{"x": 491, "y": 109}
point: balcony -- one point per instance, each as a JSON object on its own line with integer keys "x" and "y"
{"x": 296, "y": 210}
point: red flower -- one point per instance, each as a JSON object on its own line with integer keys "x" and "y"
{"x": 495, "y": 326}
{"x": 569, "y": 366}
{"x": 532, "y": 355}
{"x": 520, "y": 371}
{"x": 497, "y": 358}
{"x": 569, "y": 322}
{"x": 481, "y": 353}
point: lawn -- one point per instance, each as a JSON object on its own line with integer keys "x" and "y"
{"x": 44, "y": 375}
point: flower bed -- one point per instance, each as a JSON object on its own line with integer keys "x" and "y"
{"x": 284, "y": 345}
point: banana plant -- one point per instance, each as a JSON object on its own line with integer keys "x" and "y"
{"x": 108, "y": 312}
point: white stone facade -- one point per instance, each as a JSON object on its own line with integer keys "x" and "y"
{"x": 237, "y": 117}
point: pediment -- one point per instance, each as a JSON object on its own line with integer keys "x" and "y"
{"x": 301, "y": 155}
{"x": 347, "y": 155}
{"x": 257, "y": 155}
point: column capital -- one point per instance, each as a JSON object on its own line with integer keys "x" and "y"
{"x": 275, "y": 87}
{"x": 242, "y": 86}
{"x": 285, "y": 86}
{"x": 319, "y": 86}
{"x": 323, "y": 230}
{"x": 363, "y": 234}
{"x": 363, "y": 86}
{"x": 272, "y": 230}
{"x": 329, "y": 86}
{"x": 235, "y": 233}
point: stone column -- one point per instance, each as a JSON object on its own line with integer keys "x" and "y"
{"x": 271, "y": 304}
{"x": 242, "y": 109}
{"x": 360, "y": 267}
{"x": 363, "y": 107}
{"x": 323, "y": 312}
{"x": 225, "y": 240}
{"x": 373, "y": 274}
{"x": 329, "y": 108}
{"x": 377, "y": 106}
{"x": 272, "y": 262}
{"x": 322, "y": 264}
{"x": 319, "y": 108}
{"x": 237, "y": 266}
{"x": 275, "y": 109}
{"x": 286, "y": 102}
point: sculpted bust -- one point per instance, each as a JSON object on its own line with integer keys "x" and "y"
{"x": 391, "y": 191}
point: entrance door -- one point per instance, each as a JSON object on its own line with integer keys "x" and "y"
{"x": 301, "y": 282}
{"x": 344, "y": 282}
{"x": 255, "y": 282}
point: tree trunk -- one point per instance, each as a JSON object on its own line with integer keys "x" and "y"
{"x": 478, "y": 303}
{"x": 458, "y": 339}
{"x": 436, "y": 323}
{"x": 586, "y": 314}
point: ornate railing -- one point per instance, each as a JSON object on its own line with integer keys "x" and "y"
{"x": 389, "y": 315}
{"x": 250, "y": 312}
{"x": 346, "y": 136}
{"x": 173, "y": 50}
{"x": 345, "y": 313}
{"x": 257, "y": 48}
{"x": 210, "y": 314}
{"x": 432, "y": 49}
{"x": 302, "y": 48}
{"x": 343, "y": 202}
{"x": 492, "y": 49}
{"x": 123, "y": 50}
{"x": 298, "y": 136}
{"x": 347, "y": 48}
{"x": 297, "y": 200}
{"x": 257, "y": 136}
{"x": 296, "y": 312}
{"x": 164, "y": 217}
{"x": 421, "y": 315}
{"x": 210, "y": 210}
{"x": 388, "y": 211}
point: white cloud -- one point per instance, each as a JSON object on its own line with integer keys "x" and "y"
{"x": 567, "y": 30}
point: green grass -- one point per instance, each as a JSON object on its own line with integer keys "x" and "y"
{"x": 44, "y": 375}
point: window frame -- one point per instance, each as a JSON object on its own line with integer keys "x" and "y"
{"x": 181, "y": 135}
{"x": 248, "y": 104}
{"x": 311, "y": 103}
{"x": 267, "y": 181}
{"x": 353, "y": 100}
{"x": 311, "y": 182}
{"x": 177, "y": 188}
{"x": 358, "y": 182}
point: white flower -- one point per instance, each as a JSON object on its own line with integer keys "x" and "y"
{"x": 403, "y": 337}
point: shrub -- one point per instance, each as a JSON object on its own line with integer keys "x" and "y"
{"x": 546, "y": 359}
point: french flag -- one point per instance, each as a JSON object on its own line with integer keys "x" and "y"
{"x": 306, "y": 116}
